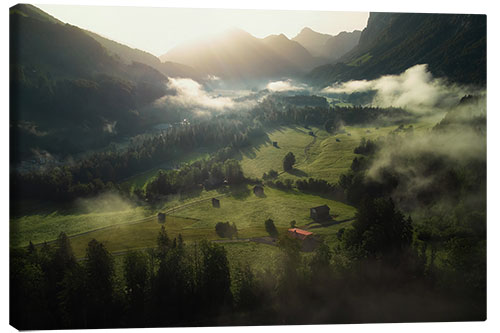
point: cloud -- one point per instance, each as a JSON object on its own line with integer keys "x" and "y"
{"x": 191, "y": 94}
{"x": 287, "y": 85}
{"x": 105, "y": 202}
{"x": 415, "y": 89}
{"x": 421, "y": 159}
{"x": 109, "y": 127}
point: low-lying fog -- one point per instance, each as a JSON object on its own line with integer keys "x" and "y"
{"x": 415, "y": 90}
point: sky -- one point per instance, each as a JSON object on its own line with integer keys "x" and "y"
{"x": 157, "y": 30}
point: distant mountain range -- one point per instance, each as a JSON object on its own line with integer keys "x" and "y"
{"x": 236, "y": 54}
{"x": 72, "y": 90}
{"x": 454, "y": 46}
{"x": 327, "y": 46}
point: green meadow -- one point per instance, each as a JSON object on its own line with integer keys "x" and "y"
{"x": 325, "y": 156}
{"x": 122, "y": 225}
{"x": 197, "y": 221}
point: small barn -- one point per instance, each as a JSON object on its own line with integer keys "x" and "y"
{"x": 258, "y": 190}
{"x": 299, "y": 233}
{"x": 161, "y": 217}
{"x": 320, "y": 213}
{"x": 215, "y": 203}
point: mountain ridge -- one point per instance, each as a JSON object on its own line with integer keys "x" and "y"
{"x": 236, "y": 54}
{"x": 453, "y": 46}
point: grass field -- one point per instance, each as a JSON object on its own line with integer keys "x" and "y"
{"x": 197, "y": 221}
{"x": 322, "y": 156}
{"x": 46, "y": 227}
{"x": 258, "y": 256}
{"x": 249, "y": 212}
{"x": 318, "y": 157}
{"x": 84, "y": 216}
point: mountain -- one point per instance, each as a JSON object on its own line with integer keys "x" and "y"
{"x": 237, "y": 55}
{"x": 313, "y": 41}
{"x": 129, "y": 55}
{"x": 339, "y": 45}
{"x": 67, "y": 92}
{"x": 325, "y": 46}
{"x": 292, "y": 51}
{"x": 453, "y": 45}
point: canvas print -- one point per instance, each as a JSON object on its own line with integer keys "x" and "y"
{"x": 178, "y": 167}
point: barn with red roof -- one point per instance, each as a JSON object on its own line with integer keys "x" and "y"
{"x": 299, "y": 233}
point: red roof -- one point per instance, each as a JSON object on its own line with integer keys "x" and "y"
{"x": 299, "y": 233}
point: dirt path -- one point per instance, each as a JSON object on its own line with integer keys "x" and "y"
{"x": 145, "y": 219}
{"x": 177, "y": 208}
{"x": 308, "y": 147}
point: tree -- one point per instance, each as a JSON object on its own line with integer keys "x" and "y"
{"x": 136, "y": 275}
{"x": 180, "y": 242}
{"x": 271, "y": 228}
{"x": 99, "y": 269}
{"x": 293, "y": 224}
{"x": 380, "y": 230}
{"x": 233, "y": 172}
{"x": 288, "y": 161}
{"x": 224, "y": 229}
{"x": 163, "y": 242}
{"x": 320, "y": 262}
{"x": 215, "y": 279}
{"x": 63, "y": 256}
{"x": 270, "y": 175}
{"x": 245, "y": 286}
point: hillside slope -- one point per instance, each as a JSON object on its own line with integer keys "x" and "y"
{"x": 313, "y": 41}
{"x": 237, "y": 55}
{"x": 129, "y": 55}
{"x": 68, "y": 94}
{"x": 327, "y": 47}
{"x": 454, "y": 46}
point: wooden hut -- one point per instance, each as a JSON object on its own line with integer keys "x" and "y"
{"x": 320, "y": 213}
{"x": 215, "y": 203}
{"x": 162, "y": 217}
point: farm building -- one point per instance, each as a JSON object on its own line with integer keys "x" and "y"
{"x": 299, "y": 233}
{"x": 320, "y": 213}
{"x": 275, "y": 144}
{"x": 258, "y": 190}
{"x": 161, "y": 217}
{"x": 337, "y": 139}
{"x": 215, "y": 203}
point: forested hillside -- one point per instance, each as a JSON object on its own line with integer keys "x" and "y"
{"x": 68, "y": 93}
{"x": 454, "y": 46}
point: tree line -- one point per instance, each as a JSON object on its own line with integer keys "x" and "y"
{"x": 102, "y": 171}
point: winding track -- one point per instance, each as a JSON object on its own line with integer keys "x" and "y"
{"x": 308, "y": 147}
{"x": 169, "y": 211}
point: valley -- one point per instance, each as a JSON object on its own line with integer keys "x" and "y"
{"x": 296, "y": 177}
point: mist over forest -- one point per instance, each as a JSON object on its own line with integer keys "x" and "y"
{"x": 248, "y": 181}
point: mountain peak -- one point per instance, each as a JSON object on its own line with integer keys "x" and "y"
{"x": 236, "y": 32}
{"x": 280, "y": 37}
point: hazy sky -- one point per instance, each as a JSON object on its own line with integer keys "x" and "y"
{"x": 156, "y": 30}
